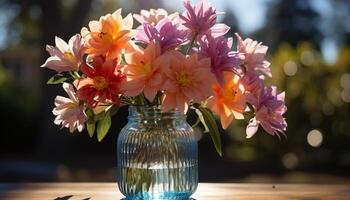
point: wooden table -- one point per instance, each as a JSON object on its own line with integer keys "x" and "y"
{"x": 205, "y": 191}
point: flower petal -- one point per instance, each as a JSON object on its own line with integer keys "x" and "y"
{"x": 252, "y": 127}
{"x": 61, "y": 45}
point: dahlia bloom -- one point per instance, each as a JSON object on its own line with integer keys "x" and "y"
{"x": 254, "y": 56}
{"x": 153, "y": 16}
{"x": 101, "y": 83}
{"x": 200, "y": 19}
{"x": 143, "y": 72}
{"x": 254, "y": 86}
{"x": 222, "y": 58}
{"x": 109, "y": 36}
{"x": 166, "y": 33}
{"x": 65, "y": 57}
{"x": 68, "y": 111}
{"x": 269, "y": 113}
{"x": 228, "y": 101}
{"x": 188, "y": 78}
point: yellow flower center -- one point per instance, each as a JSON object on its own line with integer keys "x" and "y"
{"x": 100, "y": 82}
{"x": 183, "y": 79}
{"x": 69, "y": 56}
{"x": 230, "y": 93}
{"x": 72, "y": 105}
{"x": 105, "y": 37}
{"x": 146, "y": 68}
{"x": 274, "y": 116}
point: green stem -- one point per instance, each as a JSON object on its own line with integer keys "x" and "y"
{"x": 140, "y": 100}
{"x": 191, "y": 43}
{"x": 74, "y": 74}
{"x": 158, "y": 99}
{"x": 197, "y": 122}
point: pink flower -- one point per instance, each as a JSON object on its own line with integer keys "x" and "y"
{"x": 254, "y": 87}
{"x": 143, "y": 72}
{"x": 254, "y": 56}
{"x": 222, "y": 58}
{"x": 165, "y": 33}
{"x": 68, "y": 111}
{"x": 228, "y": 101}
{"x": 200, "y": 19}
{"x": 65, "y": 57}
{"x": 153, "y": 16}
{"x": 269, "y": 113}
{"x": 101, "y": 83}
{"x": 188, "y": 78}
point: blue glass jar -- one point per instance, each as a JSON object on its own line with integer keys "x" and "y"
{"x": 157, "y": 155}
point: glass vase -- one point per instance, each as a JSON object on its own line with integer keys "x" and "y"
{"x": 157, "y": 155}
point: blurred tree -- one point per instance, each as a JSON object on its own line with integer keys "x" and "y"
{"x": 36, "y": 23}
{"x": 340, "y": 21}
{"x": 231, "y": 20}
{"x": 292, "y": 21}
{"x": 318, "y": 98}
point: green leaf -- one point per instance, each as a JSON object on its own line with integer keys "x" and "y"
{"x": 123, "y": 60}
{"x": 91, "y": 123}
{"x": 213, "y": 128}
{"x": 74, "y": 74}
{"x": 57, "y": 79}
{"x": 201, "y": 119}
{"x": 90, "y": 126}
{"x": 103, "y": 126}
{"x": 90, "y": 114}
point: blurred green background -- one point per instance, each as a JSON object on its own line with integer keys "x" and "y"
{"x": 309, "y": 44}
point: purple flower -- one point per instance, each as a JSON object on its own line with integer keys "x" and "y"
{"x": 254, "y": 56}
{"x": 200, "y": 19}
{"x": 269, "y": 113}
{"x": 222, "y": 58}
{"x": 254, "y": 86}
{"x": 165, "y": 32}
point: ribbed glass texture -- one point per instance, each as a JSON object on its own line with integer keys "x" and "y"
{"x": 157, "y": 156}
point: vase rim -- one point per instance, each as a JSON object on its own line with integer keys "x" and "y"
{"x": 153, "y": 112}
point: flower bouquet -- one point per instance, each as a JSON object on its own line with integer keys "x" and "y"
{"x": 169, "y": 63}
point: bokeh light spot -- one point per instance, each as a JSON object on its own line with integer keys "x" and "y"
{"x": 290, "y": 68}
{"x": 334, "y": 96}
{"x": 345, "y": 81}
{"x": 328, "y": 108}
{"x": 307, "y": 58}
{"x": 236, "y": 132}
{"x": 345, "y": 95}
{"x": 290, "y": 161}
{"x": 314, "y": 138}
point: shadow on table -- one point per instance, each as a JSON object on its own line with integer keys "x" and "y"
{"x": 68, "y": 197}
{"x": 184, "y": 199}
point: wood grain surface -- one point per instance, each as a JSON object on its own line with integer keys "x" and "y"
{"x": 205, "y": 191}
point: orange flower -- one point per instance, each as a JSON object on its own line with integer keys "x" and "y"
{"x": 229, "y": 101}
{"x": 188, "y": 79}
{"x": 143, "y": 72}
{"x": 109, "y": 36}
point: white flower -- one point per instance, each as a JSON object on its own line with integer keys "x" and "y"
{"x": 153, "y": 16}
{"x": 65, "y": 57}
{"x": 68, "y": 111}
